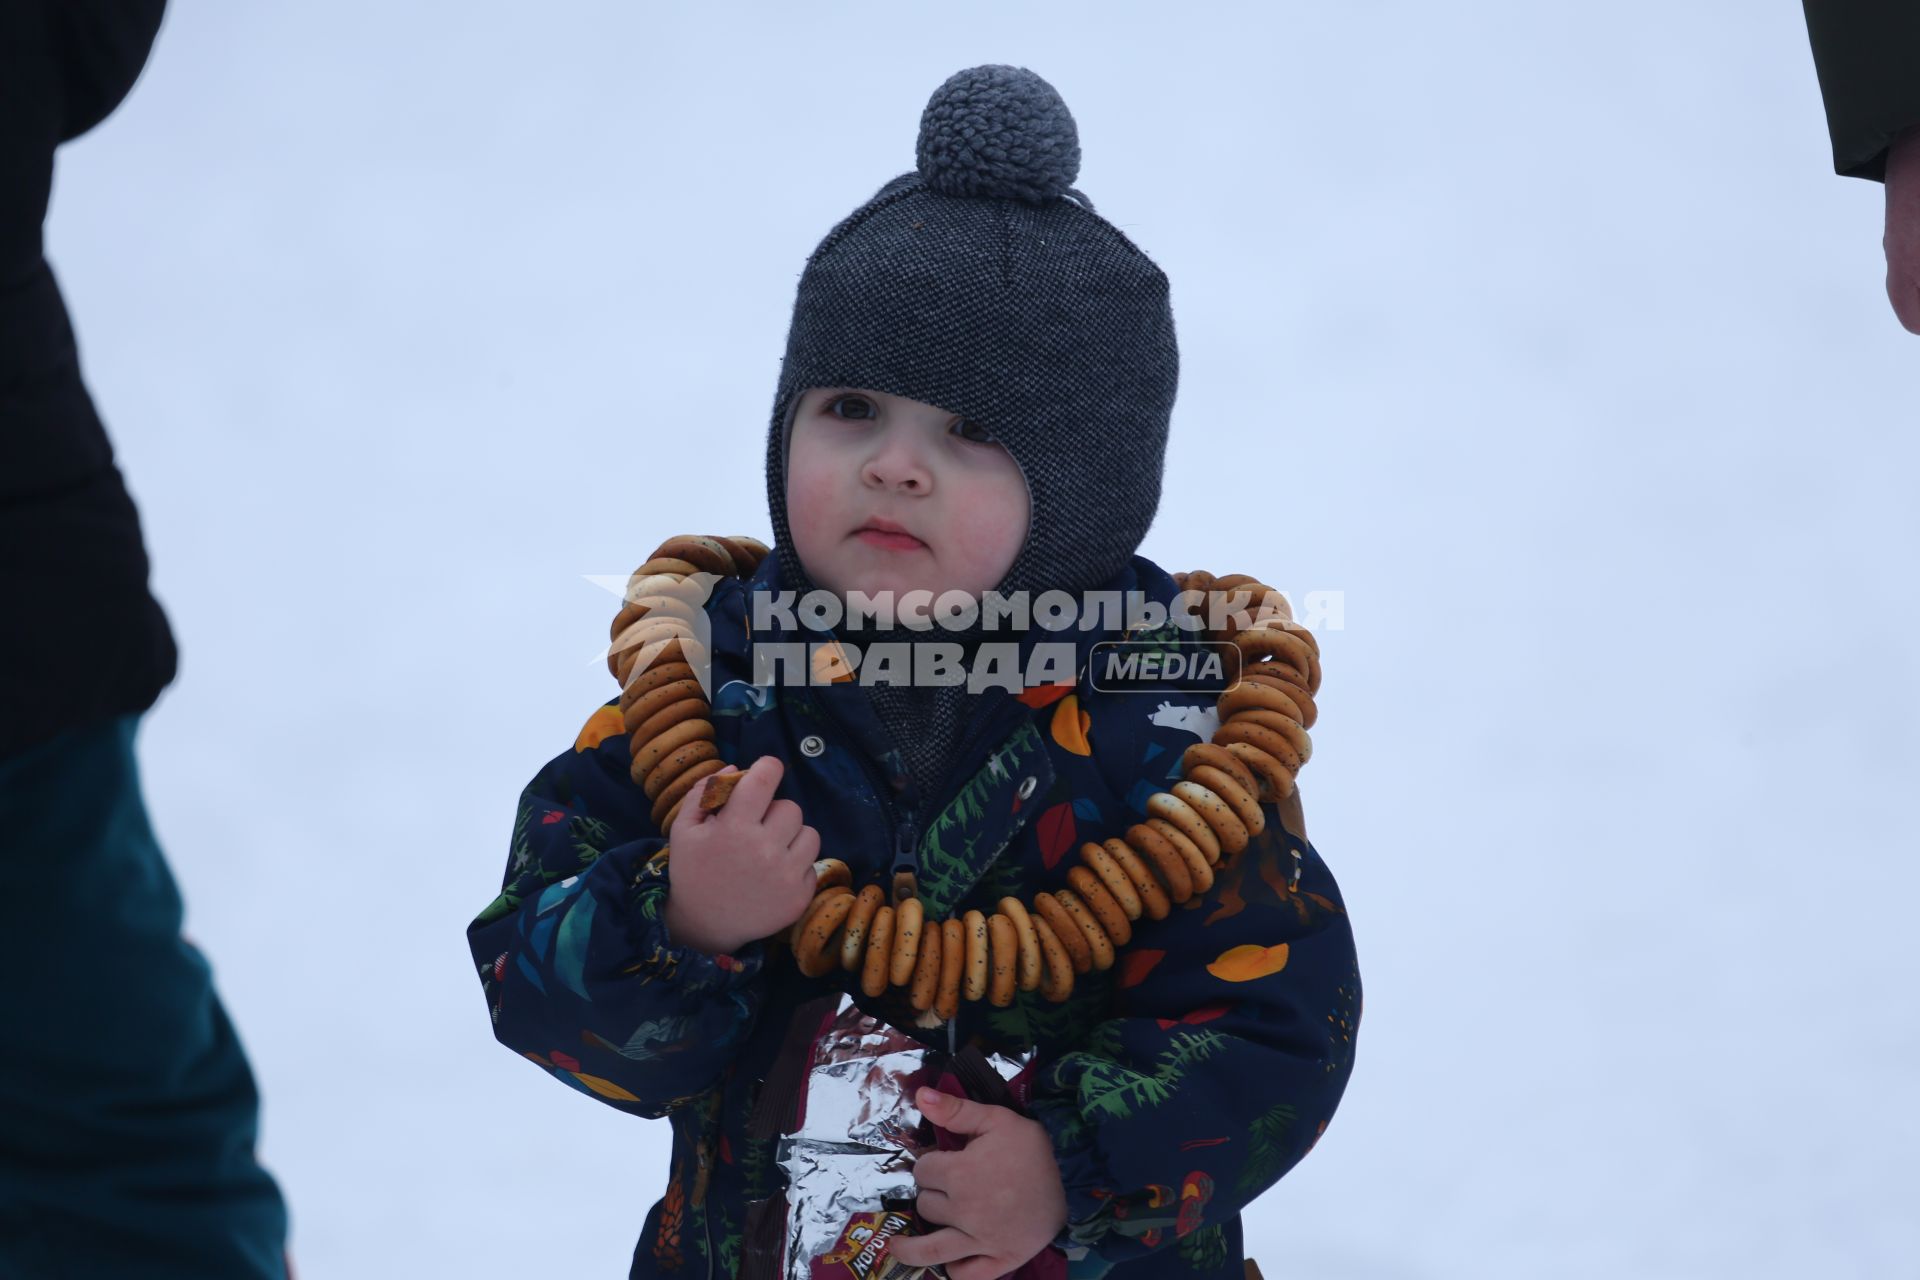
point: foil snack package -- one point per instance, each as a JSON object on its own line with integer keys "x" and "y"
{"x": 849, "y": 1157}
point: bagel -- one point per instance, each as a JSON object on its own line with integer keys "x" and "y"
{"x": 1005, "y": 961}
{"x": 1058, "y": 984}
{"x": 1169, "y": 864}
{"x": 1103, "y": 864}
{"x": 709, "y": 555}
{"x": 659, "y": 748}
{"x": 1153, "y": 896}
{"x": 908, "y": 918}
{"x": 815, "y": 953}
{"x": 658, "y": 698}
{"x": 853, "y": 942}
{"x": 1106, "y": 910}
{"x": 1275, "y": 779}
{"x": 953, "y": 964}
{"x": 1066, "y": 929}
{"x": 1244, "y": 798}
{"x": 646, "y": 681}
{"x": 975, "y": 925}
{"x": 1273, "y": 676}
{"x": 1229, "y": 834}
{"x": 656, "y": 780}
{"x": 1175, "y": 810}
{"x": 1206, "y": 753}
{"x": 873, "y": 972}
{"x": 1083, "y": 919}
{"x": 1254, "y": 734}
{"x": 683, "y": 782}
{"x": 670, "y": 715}
{"x": 1032, "y": 965}
{"x": 1199, "y": 870}
{"x": 1284, "y": 725}
{"x": 926, "y": 973}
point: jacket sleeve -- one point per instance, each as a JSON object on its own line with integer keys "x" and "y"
{"x": 1230, "y": 1045}
{"x": 1867, "y": 56}
{"x": 579, "y": 971}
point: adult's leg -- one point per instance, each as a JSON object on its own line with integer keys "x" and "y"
{"x": 128, "y": 1112}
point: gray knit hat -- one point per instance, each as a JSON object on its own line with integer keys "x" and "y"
{"x": 985, "y": 284}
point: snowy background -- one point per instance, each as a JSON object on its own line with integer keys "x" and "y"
{"x": 1545, "y": 333}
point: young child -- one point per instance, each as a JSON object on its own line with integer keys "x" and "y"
{"x": 976, "y": 393}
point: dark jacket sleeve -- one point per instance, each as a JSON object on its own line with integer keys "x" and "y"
{"x": 580, "y": 973}
{"x": 1867, "y": 55}
{"x": 99, "y": 644}
{"x": 1229, "y": 1049}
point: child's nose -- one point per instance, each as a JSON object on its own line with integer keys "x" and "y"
{"x": 899, "y": 462}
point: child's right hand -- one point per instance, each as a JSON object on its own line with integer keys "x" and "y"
{"x": 744, "y": 872}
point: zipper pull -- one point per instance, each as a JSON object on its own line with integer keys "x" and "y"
{"x": 906, "y": 863}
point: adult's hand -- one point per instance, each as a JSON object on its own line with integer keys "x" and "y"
{"x": 1903, "y": 228}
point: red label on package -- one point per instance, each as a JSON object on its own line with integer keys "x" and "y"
{"x": 862, "y": 1252}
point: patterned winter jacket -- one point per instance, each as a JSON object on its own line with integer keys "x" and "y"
{"x": 1177, "y": 1085}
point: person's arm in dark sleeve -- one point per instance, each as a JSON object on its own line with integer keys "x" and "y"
{"x": 99, "y": 643}
{"x": 1867, "y": 56}
{"x": 580, "y": 973}
{"x": 1230, "y": 1047}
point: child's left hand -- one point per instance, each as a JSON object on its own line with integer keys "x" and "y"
{"x": 1000, "y": 1198}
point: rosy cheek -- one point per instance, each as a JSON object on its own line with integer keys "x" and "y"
{"x": 991, "y": 531}
{"x": 811, "y": 512}
{"x": 807, "y": 486}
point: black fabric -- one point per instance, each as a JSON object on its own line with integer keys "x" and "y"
{"x": 1867, "y": 55}
{"x": 84, "y": 639}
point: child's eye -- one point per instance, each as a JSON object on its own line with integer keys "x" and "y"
{"x": 828, "y": 407}
{"x": 971, "y": 431}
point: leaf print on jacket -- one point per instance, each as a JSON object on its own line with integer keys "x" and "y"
{"x": 1177, "y": 1086}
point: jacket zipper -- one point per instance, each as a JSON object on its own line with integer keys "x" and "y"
{"x": 906, "y": 842}
{"x": 906, "y": 846}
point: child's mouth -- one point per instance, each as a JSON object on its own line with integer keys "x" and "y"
{"x": 892, "y": 539}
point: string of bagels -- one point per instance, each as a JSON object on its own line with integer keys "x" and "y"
{"x": 1210, "y": 814}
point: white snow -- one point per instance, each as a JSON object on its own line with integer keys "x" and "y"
{"x": 1544, "y": 334}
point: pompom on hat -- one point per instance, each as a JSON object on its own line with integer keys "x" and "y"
{"x": 984, "y": 283}
{"x": 1000, "y": 132}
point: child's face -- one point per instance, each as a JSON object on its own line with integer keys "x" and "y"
{"x": 856, "y": 457}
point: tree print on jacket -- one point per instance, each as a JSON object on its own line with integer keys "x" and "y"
{"x": 1176, "y": 1086}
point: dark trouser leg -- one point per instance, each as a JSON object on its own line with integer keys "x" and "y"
{"x": 127, "y": 1109}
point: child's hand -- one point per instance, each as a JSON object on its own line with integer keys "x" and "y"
{"x": 743, "y": 872}
{"x": 1000, "y": 1197}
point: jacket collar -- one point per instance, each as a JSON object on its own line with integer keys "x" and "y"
{"x": 1004, "y": 748}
